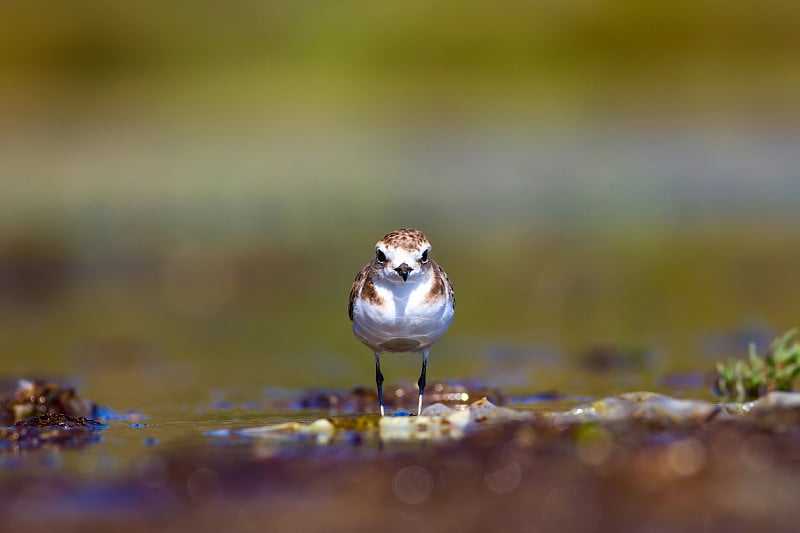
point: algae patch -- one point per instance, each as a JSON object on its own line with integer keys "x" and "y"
{"x": 36, "y": 398}
{"x": 42, "y": 413}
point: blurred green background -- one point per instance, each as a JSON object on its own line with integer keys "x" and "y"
{"x": 187, "y": 190}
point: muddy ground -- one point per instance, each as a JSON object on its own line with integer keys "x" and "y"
{"x": 636, "y": 462}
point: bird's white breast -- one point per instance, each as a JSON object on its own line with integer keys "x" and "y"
{"x": 406, "y": 319}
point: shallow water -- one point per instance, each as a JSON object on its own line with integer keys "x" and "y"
{"x": 134, "y": 437}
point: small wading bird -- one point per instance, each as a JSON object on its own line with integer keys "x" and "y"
{"x": 401, "y": 301}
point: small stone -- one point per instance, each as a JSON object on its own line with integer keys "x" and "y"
{"x": 776, "y": 399}
{"x": 438, "y": 409}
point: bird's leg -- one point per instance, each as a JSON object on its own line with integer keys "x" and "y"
{"x": 421, "y": 382}
{"x": 379, "y": 380}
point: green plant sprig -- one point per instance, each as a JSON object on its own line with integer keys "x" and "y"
{"x": 739, "y": 381}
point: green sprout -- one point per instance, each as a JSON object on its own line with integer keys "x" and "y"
{"x": 739, "y": 381}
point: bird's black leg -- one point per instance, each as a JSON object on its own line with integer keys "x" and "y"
{"x": 379, "y": 380}
{"x": 421, "y": 382}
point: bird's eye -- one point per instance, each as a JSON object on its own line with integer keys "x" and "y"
{"x": 425, "y": 256}
{"x": 380, "y": 257}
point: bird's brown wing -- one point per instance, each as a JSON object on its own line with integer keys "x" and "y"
{"x": 356, "y": 288}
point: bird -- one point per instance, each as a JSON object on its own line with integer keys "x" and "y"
{"x": 401, "y": 301}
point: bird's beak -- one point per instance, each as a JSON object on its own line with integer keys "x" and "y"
{"x": 403, "y": 270}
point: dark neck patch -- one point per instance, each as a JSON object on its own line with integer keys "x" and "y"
{"x": 369, "y": 293}
{"x": 438, "y": 284}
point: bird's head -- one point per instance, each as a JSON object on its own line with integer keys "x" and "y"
{"x": 402, "y": 255}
